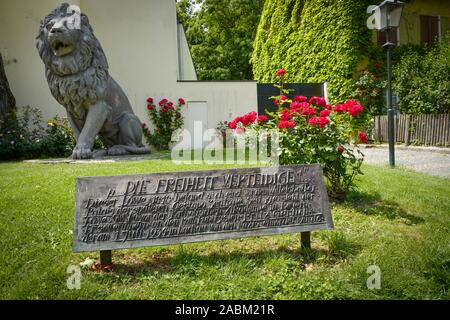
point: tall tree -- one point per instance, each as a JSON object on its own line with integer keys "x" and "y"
{"x": 220, "y": 36}
{"x": 7, "y": 100}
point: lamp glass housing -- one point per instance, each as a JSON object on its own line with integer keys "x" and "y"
{"x": 388, "y": 14}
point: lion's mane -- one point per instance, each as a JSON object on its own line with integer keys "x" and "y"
{"x": 79, "y": 78}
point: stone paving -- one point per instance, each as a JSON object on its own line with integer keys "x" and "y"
{"x": 432, "y": 161}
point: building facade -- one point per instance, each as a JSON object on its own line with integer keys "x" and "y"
{"x": 423, "y": 22}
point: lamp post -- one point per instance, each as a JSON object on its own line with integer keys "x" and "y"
{"x": 387, "y": 18}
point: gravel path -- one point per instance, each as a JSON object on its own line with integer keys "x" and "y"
{"x": 433, "y": 161}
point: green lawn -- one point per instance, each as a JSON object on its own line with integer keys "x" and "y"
{"x": 398, "y": 220}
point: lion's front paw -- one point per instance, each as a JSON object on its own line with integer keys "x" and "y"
{"x": 82, "y": 153}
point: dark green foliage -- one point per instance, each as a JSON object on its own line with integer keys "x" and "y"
{"x": 314, "y": 40}
{"x": 220, "y": 36}
{"x": 24, "y": 137}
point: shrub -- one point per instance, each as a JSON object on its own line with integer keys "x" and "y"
{"x": 59, "y": 140}
{"x": 24, "y": 137}
{"x": 370, "y": 89}
{"x": 422, "y": 80}
{"x": 167, "y": 118}
{"x": 21, "y": 136}
{"x": 313, "y": 131}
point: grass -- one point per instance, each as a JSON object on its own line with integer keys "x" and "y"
{"x": 397, "y": 220}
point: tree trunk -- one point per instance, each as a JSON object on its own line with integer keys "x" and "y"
{"x": 7, "y": 100}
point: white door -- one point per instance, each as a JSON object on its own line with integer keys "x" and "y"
{"x": 196, "y": 122}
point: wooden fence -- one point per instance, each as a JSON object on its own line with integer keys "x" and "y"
{"x": 423, "y": 129}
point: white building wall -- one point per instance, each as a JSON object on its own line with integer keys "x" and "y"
{"x": 185, "y": 63}
{"x": 140, "y": 41}
{"x": 19, "y": 23}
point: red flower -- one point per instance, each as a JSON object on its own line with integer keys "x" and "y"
{"x": 362, "y": 137}
{"x": 325, "y": 113}
{"x": 377, "y": 65}
{"x": 281, "y": 72}
{"x": 252, "y": 116}
{"x": 285, "y": 115}
{"x": 340, "y": 108}
{"x": 318, "y": 101}
{"x": 262, "y": 118}
{"x": 329, "y": 106}
{"x": 150, "y": 100}
{"x": 149, "y": 107}
{"x": 283, "y": 98}
{"x": 163, "y": 102}
{"x": 286, "y": 124}
{"x": 232, "y": 124}
{"x": 300, "y": 99}
{"x": 319, "y": 121}
{"x": 276, "y": 101}
{"x": 307, "y": 111}
{"x": 354, "y": 107}
{"x": 246, "y": 119}
{"x": 181, "y": 102}
{"x": 295, "y": 106}
{"x": 341, "y": 149}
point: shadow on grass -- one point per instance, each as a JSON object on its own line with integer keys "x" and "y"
{"x": 193, "y": 262}
{"x": 156, "y": 262}
{"x": 373, "y": 204}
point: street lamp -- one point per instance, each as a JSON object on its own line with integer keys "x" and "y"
{"x": 387, "y": 17}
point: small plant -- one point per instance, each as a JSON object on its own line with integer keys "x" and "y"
{"x": 167, "y": 118}
{"x": 313, "y": 131}
{"x": 21, "y": 135}
{"x": 24, "y": 137}
{"x": 370, "y": 89}
{"x": 59, "y": 140}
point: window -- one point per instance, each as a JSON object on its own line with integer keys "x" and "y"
{"x": 381, "y": 37}
{"x": 429, "y": 29}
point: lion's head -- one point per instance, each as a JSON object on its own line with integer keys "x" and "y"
{"x": 66, "y": 42}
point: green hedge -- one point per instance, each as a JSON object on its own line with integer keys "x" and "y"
{"x": 314, "y": 40}
{"x": 422, "y": 79}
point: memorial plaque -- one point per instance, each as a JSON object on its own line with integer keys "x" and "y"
{"x": 179, "y": 207}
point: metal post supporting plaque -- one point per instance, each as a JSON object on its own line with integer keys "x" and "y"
{"x": 305, "y": 240}
{"x": 105, "y": 258}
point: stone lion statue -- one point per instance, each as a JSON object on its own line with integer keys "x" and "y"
{"x": 77, "y": 74}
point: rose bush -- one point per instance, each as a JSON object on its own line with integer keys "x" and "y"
{"x": 167, "y": 118}
{"x": 313, "y": 131}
